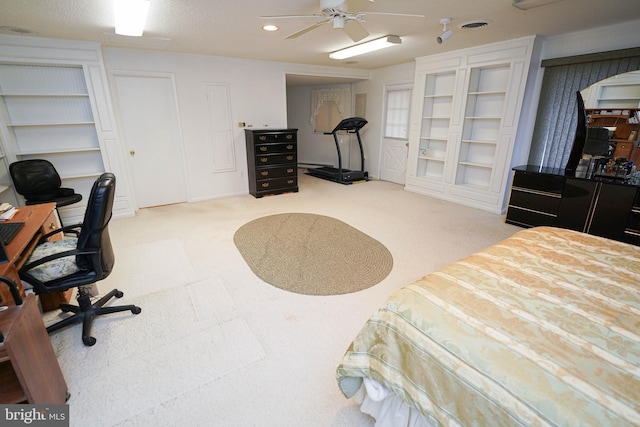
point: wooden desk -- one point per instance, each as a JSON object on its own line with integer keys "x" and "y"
{"x": 38, "y": 220}
{"x": 29, "y": 369}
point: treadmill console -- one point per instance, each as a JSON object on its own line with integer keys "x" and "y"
{"x": 351, "y": 125}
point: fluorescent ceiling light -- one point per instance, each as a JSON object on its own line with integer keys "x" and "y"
{"x": 530, "y": 4}
{"x": 367, "y": 47}
{"x": 130, "y": 16}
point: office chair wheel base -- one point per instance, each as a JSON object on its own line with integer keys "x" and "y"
{"x": 119, "y": 294}
{"x": 136, "y": 310}
{"x": 88, "y": 341}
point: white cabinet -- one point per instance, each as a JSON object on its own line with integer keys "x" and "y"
{"x": 465, "y": 115}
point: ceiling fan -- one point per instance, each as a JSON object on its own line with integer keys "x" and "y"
{"x": 333, "y": 12}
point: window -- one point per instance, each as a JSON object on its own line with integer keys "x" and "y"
{"x": 397, "y": 112}
{"x": 328, "y": 108}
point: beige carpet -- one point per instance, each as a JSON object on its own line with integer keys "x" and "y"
{"x": 312, "y": 254}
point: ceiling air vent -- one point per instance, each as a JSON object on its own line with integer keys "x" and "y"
{"x": 6, "y": 29}
{"x": 475, "y": 24}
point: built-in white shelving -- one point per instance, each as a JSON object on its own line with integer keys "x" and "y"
{"x": 48, "y": 115}
{"x": 464, "y": 120}
{"x": 436, "y": 120}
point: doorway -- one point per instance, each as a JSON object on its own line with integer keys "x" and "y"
{"x": 147, "y": 111}
{"x": 394, "y": 145}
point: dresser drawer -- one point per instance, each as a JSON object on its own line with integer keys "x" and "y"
{"x": 273, "y": 184}
{"x": 276, "y": 172}
{"x": 276, "y": 159}
{"x": 527, "y": 218}
{"x": 275, "y": 137}
{"x": 633, "y": 222}
{"x": 275, "y": 148}
{"x": 623, "y": 149}
{"x": 538, "y": 182}
{"x": 530, "y": 199}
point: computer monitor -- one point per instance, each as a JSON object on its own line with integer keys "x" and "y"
{"x": 597, "y": 141}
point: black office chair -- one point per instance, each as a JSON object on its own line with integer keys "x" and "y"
{"x": 38, "y": 182}
{"x": 79, "y": 261}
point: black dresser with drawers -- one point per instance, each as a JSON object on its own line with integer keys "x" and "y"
{"x": 606, "y": 207}
{"x": 272, "y": 156}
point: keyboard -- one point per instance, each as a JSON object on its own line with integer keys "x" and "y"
{"x": 8, "y": 230}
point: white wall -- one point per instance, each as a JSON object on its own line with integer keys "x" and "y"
{"x": 258, "y": 98}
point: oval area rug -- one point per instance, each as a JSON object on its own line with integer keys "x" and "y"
{"x": 312, "y": 254}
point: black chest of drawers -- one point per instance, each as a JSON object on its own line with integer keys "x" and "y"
{"x": 272, "y": 156}
{"x": 546, "y": 196}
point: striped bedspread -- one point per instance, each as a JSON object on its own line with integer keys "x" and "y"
{"x": 541, "y": 329}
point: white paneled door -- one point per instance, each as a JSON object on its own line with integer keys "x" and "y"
{"x": 395, "y": 134}
{"x": 393, "y": 162}
{"x": 147, "y": 110}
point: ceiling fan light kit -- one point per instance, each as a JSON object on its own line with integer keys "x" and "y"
{"x": 370, "y": 46}
{"x": 130, "y": 16}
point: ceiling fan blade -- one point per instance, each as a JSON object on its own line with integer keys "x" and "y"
{"x": 307, "y": 29}
{"x": 393, "y": 14}
{"x": 355, "y": 30}
{"x": 291, "y": 16}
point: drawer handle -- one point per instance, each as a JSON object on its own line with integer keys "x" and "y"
{"x": 265, "y": 185}
{"x": 289, "y": 136}
{"x": 290, "y": 147}
{"x": 290, "y": 170}
{"x": 289, "y": 157}
{"x": 262, "y": 138}
{"x": 264, "y": 159}
{"x": 264, "y": 173}
{"x": 290, "y": 181}
{"x": 263, "y": 149}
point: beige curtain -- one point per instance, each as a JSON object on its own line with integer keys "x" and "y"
{"x": 556, "y": 119}
{"x": 341, "y": 97}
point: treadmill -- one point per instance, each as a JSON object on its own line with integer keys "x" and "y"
{"x": 340, "y": 174}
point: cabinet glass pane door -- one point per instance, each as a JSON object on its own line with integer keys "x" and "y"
{"x": 482, "y": 124}
{"x": 436, "y": 118}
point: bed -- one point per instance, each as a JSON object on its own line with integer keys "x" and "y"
{"x": 541, "y": 329}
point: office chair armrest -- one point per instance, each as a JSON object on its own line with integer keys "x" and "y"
{"x": 65, "y": 192}
{"x": 73, "y": 229}
{"x": 13, "y": 288}
{"x": 52, "y": 257}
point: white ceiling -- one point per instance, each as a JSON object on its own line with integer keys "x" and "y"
{"x": 233, "y": 28}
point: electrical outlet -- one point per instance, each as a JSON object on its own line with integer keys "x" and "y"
{"x": 241, "y": 124}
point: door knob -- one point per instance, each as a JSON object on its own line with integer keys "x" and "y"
{"x": 132, "y": 152}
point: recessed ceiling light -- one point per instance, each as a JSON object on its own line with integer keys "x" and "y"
{"x": 271, "y": 28}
